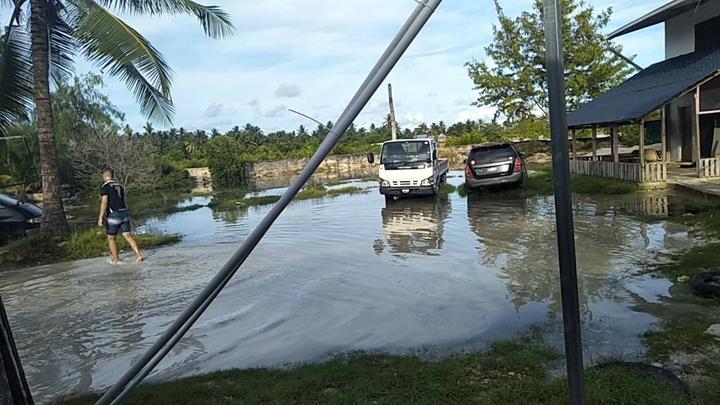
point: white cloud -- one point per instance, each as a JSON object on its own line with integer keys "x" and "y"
{"x": 276, "y": 111}
{"x": 412, "y": 120}
{"x": 475, "y": 113}
{"x": 285, "y": 90}
{"x": 215, "y": 110}
{"x": 319, "y": 51}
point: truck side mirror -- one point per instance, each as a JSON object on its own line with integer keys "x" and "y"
{"x": 371, "y": 158}
{"x": 435, "y": 154}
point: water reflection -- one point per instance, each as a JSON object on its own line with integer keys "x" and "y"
{"x": 413, "y": 226}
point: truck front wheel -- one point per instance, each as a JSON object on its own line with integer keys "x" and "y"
{"x": 389, "y": 198}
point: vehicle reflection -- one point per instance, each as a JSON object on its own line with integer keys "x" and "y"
{"x": 413, "y": 226}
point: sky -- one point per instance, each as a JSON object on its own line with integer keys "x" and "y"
{"x": 311, "y": 55}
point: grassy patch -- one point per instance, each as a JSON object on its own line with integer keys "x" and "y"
{"x": 513, "y": 372}
{"x": 42, "y": 249}
{"x": 310, "y": 192}
{"x": 319, "y": 191}
{"x": 264, "y": 200}
{"x": 696, "y": 260}
{"x": 345, "y": 191}
{"x": 446, "y": 189}
{"x": 687, "y": 337}
{"x": 541, "y": 183}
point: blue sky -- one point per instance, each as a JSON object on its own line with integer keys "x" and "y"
{"x": 311, "y": 55}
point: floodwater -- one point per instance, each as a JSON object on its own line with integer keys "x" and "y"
{"x": 342, "y": 274}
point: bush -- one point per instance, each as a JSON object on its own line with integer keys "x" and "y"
{"x": 226, "y": 161}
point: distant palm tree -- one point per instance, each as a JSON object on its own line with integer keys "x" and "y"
{"x": 59, "y": 29}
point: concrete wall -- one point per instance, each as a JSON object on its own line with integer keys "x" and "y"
{"x": 680, "y": 31}
{"x": 280, "y": 173}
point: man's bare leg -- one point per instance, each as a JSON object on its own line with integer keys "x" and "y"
{"x": 131, "y": 241}
{"x": 113, "y": 249}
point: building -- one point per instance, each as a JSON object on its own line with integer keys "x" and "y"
{"x": 680, "y": 95}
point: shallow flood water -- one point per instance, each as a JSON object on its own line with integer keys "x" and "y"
{"x": 341, "y": 274}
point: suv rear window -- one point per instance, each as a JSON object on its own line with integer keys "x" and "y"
{"x": 492, "y": 154}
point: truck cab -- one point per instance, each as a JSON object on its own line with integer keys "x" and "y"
{"x": 410, "y": 167}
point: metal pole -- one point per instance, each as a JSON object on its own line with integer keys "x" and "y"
{"x": 14, "y": 388}
{"x": 153, "y": 356}
{"x": 563, "y": 201}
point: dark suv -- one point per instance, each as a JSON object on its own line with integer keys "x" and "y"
{"x": 495, "y": 164}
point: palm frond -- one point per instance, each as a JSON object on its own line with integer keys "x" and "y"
{"x": 16, "y": 82}
{"x": 215, "y": 21}
{"x": 123, "y": 52}
{"x": 62, "y": 43}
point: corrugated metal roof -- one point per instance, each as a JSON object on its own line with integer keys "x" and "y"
{"x": 647, "y": 91}
{"x": 661, "y": 14}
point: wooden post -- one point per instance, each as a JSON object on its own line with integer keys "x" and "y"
{"x": 698, "y": 155}
{"x": 393, "y": 122}
{"x": 594, "y": 143}
{"x": 663, "y": 135}
{"x": 574, "y": 145}
{"x": 642, "y": 143}
{"x": 615, "y": 144}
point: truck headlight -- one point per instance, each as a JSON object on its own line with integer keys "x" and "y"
{"x": 428, "y": 182}
{"x": 384, "y": 183}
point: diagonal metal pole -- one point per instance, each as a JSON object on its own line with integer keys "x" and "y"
{"x": 170, "y": 337}
{"x": 563, "y": 200}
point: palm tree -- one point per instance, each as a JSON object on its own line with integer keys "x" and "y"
{"x": 60, "y": 29}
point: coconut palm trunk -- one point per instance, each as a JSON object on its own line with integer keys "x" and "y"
{"x": 54, "y": 220}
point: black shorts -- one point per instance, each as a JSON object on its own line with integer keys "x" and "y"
{"x": 117, "y": 221}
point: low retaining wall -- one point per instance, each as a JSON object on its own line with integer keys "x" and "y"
{"x": 279, "y": 173}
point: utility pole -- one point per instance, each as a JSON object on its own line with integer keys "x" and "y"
{"x": 563, "y": 201}
{"x": 14, "y": 389}
{"x": 393, "y": 122}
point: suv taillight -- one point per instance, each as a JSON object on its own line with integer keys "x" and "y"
{"x": 518, "y": 165}
{"x": 468, "y": 171}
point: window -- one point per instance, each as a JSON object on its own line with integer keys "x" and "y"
{"x": 707, "y": 35}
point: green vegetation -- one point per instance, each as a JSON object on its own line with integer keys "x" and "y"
{"x": 42, "y": 248}
{"x": 687, "y": 337}
{"x": 513, "y": 79}
{"x": 695, "y": 260}
{"x": 514, "y": 372}
{"x": 446, "y": 189}
{"x": 319, "y": 191}
{"x": 541, "y": 183}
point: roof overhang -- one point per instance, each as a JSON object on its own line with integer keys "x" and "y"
{"x": 647, "y": 91}
{"x": 662, "y": 14}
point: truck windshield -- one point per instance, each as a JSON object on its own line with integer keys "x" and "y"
{"x": 406, "y": 152}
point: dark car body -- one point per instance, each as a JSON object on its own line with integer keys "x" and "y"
{"x": 494, "y": 164}
{"x": 17, "y": 217}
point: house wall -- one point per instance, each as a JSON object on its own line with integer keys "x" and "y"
{"x": 674, "y": 127}
{"x": 680, "y": 31}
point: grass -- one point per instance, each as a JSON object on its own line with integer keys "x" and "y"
{"x": 512, "y": 372}
{"x": 541, "y": 183}
{"x": 319, "y": 191}
{"x": 43, "y": 249}
{"x": 690, "y": 262}
{"x": 446, "y": 189}
{"x": 686, "y": 337}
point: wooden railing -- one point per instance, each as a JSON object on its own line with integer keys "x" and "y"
{"x": 650, "y": 173}
{"x": 654, "y": 173}
{"x": 710, "y": 167}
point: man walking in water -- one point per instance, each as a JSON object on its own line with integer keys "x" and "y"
{"x": 114, "y": 216}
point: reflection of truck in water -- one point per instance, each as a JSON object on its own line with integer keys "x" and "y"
{"x": 410, "y": 167}
{"x": 413, "y": 226}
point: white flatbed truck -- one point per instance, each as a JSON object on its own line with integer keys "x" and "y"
{"x": 410, "y": 167}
